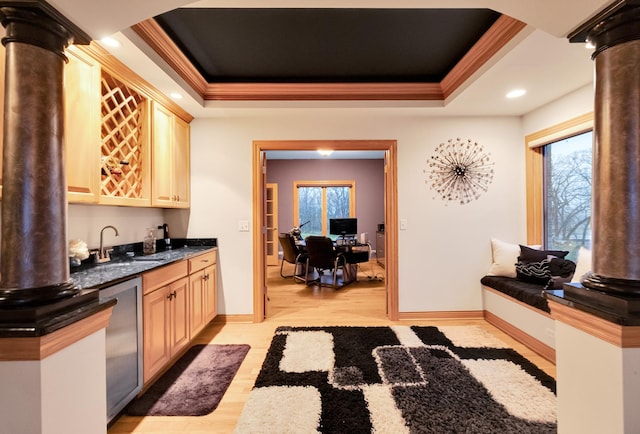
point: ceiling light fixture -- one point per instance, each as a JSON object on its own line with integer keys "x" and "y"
{"x": 589, "y": 45}
{"x": 110, "y": 42}
{"x": 516, "y": 93}
{"x": 325, "y": 152}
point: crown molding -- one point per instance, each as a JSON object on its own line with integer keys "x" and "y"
{"x": 498, "y": 35}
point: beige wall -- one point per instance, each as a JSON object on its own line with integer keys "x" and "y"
{"x": 445, "y": 249}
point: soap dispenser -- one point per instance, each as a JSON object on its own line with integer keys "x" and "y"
{"x": 165, "y": 236}
{"x": 149, "y": 242}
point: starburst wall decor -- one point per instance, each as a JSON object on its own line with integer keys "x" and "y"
{"x": 459, "y": 171}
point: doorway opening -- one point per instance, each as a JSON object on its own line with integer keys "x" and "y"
{"x": 259, "y": 212}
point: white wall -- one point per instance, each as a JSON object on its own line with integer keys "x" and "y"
{"x": 84, "y": 222}
{"x": 445, "y": 249}
{"x": 572, "y": 105}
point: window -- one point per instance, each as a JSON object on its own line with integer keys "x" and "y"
{"x": 558, "y": 166}
{"x": 315, "y": 202}
{"x": 567, "y": 193}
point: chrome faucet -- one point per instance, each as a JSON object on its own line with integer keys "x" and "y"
{"x": 103, "y": 253}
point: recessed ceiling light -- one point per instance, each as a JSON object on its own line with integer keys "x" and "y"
{"x": 516, "y": 93}
{"x": 110, "y": 42}
{"x": 325, "y": 152}
{"x": 175, "y": 95}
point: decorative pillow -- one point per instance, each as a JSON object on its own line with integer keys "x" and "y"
{"x": 561, "y": 271}
{"x": 504, "y": 256}
{"x": 583, "y": 265}
{"x": 533, "y": 272}
{"x": 528, "y": 254}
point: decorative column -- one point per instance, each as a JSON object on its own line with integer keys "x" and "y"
{"x": 35, "y": 264}
{"x": 597, "y": 324}
{"x": 616, "y": 157}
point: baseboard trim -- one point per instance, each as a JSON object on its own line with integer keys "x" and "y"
{"x": 534, "y": 344}
{"x": 453, "y": 314}
{"x": 239, "y": 318}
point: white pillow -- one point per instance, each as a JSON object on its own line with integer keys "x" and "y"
{"x": 583, "y": 264}
{"x": 504, "y": 257}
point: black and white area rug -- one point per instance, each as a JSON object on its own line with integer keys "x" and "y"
{"x": 399, "y": 379}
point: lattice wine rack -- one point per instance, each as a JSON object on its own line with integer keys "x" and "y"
{"x": 123, "y": 119}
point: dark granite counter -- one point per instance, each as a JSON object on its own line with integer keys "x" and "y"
{"x": 613, "y": 308}
{"x": 125, "y": 265}
{"x": 127, "y": 262}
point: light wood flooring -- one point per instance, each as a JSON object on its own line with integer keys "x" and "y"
{"x": 290, "y": 303}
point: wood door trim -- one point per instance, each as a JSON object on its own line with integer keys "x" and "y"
{"x": 391, "y": 211}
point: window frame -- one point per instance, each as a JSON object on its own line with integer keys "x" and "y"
{"x": 323, "y": 184}
{"x": 534, "y": 164}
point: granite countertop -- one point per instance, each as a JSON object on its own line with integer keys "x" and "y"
{"x": 125, "y": 265}
{"x": 127, "y": 262}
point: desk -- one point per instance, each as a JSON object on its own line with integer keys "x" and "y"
{"x": 353, "y": 252}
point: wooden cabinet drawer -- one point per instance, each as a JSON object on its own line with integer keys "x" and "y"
{"x": 155, "y": 279}
{"x": 202, "y": 261}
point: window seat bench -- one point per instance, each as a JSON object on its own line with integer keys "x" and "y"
{"x": 520, "y": 310}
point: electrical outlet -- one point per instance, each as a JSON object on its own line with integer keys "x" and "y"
{"x": 243, "y": 225}
{"x": 403, "y": 224}
{"x": 551, "y": 333}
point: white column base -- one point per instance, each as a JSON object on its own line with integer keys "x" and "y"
{"x": 598, "y": 384}
{"x": 62, "y": 393}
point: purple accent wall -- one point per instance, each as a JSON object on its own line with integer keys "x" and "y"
{"x": 368, "y": 174}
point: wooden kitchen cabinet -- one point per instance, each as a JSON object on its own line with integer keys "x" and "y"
{"x": 170, "y": 159}
{"x": 202, "y": 291}
{"x": 165, "y": 316}
{"x": 81, "y": 124}
{"x": 82, "y": 127}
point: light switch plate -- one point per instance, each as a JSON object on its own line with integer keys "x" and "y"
{"x": 243, "y": 225}
{"x": 403, "y": 224}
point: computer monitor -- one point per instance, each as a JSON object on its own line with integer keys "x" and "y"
{"x": 343, "y": 226}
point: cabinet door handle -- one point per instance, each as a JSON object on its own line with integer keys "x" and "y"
{"x": 170, "y": 296}
{"x": 205, "y": 277}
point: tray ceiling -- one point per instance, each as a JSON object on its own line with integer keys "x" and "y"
{"x": 325, "y": 45}
{"x": 331, "y": 54}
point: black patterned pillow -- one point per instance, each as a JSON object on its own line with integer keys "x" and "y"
{"x": 528, "y": 254}
{"x": 561, "y": 271}
{"x": 533, "y": 272}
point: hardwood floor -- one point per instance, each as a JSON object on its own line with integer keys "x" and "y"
{"x": 290, "y": 303}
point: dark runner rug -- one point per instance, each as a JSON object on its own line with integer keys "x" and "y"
{"x": 194, "y": 385}
{"x": 400, "y": 379}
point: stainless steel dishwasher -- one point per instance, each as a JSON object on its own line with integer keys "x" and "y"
{"x": 123, "y": 345}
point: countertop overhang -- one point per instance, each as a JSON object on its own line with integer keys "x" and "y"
{"x": 40, "y": 320}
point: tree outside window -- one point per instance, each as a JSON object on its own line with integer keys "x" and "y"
{"x": 316, "y": 202}
{"x": 567, "y": 190}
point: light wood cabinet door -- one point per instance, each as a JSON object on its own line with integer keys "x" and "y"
{"x": 165, "y": 325}
{"x": 197, "y": 299}
{"x": 82, "y": 127}
{"x": 202, "y": 287}
{"x": 171, "y": 160}
{"x": 182, "y": 166}
{"x": 179, "y": 307}
{"x": 210, "y": 294}
{"x": 161, "y": 172}
{"x": 155, "y": 322}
